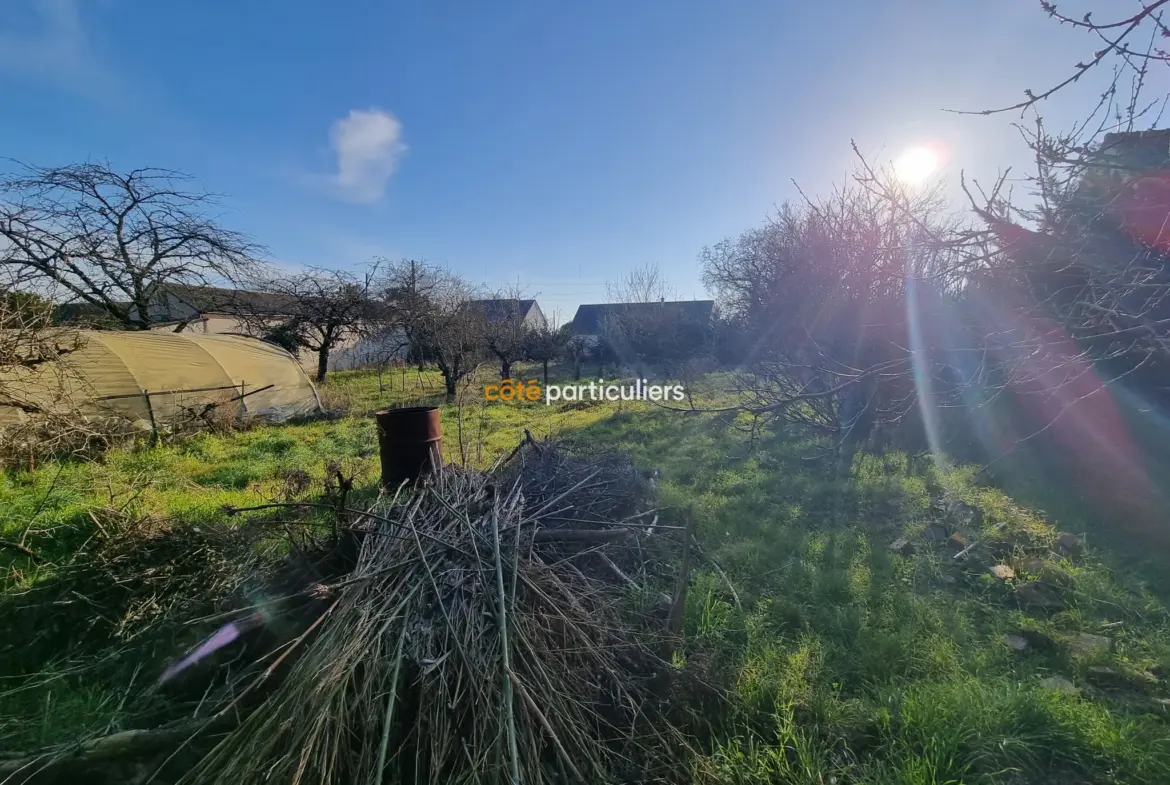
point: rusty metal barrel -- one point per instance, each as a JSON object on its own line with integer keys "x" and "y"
{"x": 410, "y": 443}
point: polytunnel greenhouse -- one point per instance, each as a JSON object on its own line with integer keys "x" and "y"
{"x": 157, "y": 380}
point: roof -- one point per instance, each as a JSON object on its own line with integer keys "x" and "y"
{"x": 589, "y": 318}
{"x": 502, "y": 309}
{"x": 213, "y": 299}
{"x": 1137, "y": 151}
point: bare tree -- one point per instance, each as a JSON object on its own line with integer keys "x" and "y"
{"x": 825, "y": 292}
{"x": 645, "y": 284}
{"x": 1125, "y": 39}
{"x": 645, "y": 328}
{"x": 316, "y": 309}
{"x": 454, "y": 334}
{"x": 506, "y": 330}
{"x": 626, "y": 332}
{"x": 114, "y": 240}
{"x": 577, "y": 348}
{"x": 434, "y": 310}
{"x": 1079, "y": 279}
{"x": 547, "y": 344}
{"x": 407, "y": 291}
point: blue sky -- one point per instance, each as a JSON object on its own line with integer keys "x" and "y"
{"x": 555, "y": 144}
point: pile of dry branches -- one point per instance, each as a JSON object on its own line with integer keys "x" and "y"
{"x": 485, "y": 634}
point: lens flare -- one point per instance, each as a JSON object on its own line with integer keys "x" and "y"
{"x": 916, "y": 165}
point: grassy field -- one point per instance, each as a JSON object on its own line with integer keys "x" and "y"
{"x": 845, "y": 660}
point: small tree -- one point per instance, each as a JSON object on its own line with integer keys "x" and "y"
{"x": 646, "y": 329}
{"x": 316, "y": 309}
{"x": 577, "y": 349}
{"x": 407, "y": 291}
{"x": 547, "y": 344}
{"x": 452, "y": 330}
{"x": 115, "y": 240}
{"x": 506, "y": 331}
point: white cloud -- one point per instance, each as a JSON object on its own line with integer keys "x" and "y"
{"x": 368, "y": 143}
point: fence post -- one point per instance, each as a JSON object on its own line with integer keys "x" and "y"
{"x": 153, "y": 424}
{"x": 243, "y": 408}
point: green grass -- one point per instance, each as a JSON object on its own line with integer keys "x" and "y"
{"x": 845, "y": 662}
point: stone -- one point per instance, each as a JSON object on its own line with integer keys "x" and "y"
{"x": 902, "y": 546}
{"x": 1017, "y": 642}
{"x": 1042, "y": 570}
{"x": 1105, "y": 676}
{"x": 1068, "y": 544}
{"x": 1060, "y": 684}
{"x": 1030, "y": 565}
{"x": 1085, "y": 644}
{"x": 1004, "y": 547}
{"x": 1002, "y": 571}
{"x": 1038, "y": 639}
{"x": 965, "y": 513}
{"x": 935, "y": 533}
{"x": 1038, "y": 595}
{"x": 1054, "y": 576}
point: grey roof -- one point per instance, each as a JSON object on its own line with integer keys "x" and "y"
{"x": 213, "y": 299}
{"x": 589, "y": 318}
{"x": 502, "y": 309}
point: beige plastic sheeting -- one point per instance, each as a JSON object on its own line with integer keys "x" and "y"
{"x": 114, "y": 373}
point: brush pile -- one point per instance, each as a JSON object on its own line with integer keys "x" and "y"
{"x": 487, "y": 633}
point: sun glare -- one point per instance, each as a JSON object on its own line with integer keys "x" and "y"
{"x": 915, "y": 165}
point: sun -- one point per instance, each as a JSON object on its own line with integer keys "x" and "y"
{"x": 915, "y": 165}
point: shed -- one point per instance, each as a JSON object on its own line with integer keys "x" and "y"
{"x": 162, "y": 377}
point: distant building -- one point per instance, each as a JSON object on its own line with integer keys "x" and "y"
{"x": 1136, "y": 151}
{"x": 502, "y": 309}
{"x": 208, "y": 310}
{"x": 590, "y": 320}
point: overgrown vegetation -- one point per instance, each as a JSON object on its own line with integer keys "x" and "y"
{"x": 851, "y": 604}
{"x": 837, "y": 655}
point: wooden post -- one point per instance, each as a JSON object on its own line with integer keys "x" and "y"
{"x": 674, "y": 619}
{"x": 153, "y": 425}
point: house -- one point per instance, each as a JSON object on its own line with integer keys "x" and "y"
{"x": 210, "y": 310}
{"x": 502, "y": 310}
{"x": 590, "y": 320}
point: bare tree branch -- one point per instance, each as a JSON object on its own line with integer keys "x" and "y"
{"x": 91, "y": 234}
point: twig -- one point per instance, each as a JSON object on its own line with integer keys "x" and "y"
{"x": 965, "y": 551}
{"x": 616, "y": 570}
{"x": 24, "y": 549}
{"x": 502, "y": 600}
{"x": 390, "y": 708}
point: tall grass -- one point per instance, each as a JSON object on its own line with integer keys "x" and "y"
{"x": 843, "y": 661}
